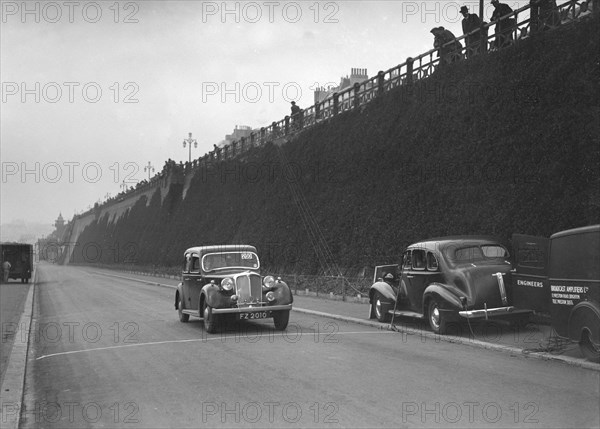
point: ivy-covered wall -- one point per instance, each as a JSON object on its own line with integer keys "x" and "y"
{"x": 502, "y": 144}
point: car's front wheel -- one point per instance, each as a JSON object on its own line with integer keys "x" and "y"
{"x": 281, "y": 319}
{"x": 437, "y": 321}
{"x": 380, "y": 308}
{"x": 210, "y": 319}
{"x": 182, "y": 316}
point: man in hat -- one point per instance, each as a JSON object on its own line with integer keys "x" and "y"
{"x": 470, "y": 23}
{"x": 504, "y": 25}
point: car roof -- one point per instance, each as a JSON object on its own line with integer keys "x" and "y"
{"x": 574, "y": 231}
{"x": 439, "y": 242}
{"x": 221, "y": 248}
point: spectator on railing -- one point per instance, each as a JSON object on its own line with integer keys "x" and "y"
{"x": 548, "y": 14}
{"x": 449, "y": 49}
{"x": 296, "y": 116}
{"x": 471, "y": 22}
{"x": 504, "y": 25}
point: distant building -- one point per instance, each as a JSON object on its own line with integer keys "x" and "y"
{"x": 356, "y": 75}
{"x": 239, "y": 132}
{"x": 59, "y": 224}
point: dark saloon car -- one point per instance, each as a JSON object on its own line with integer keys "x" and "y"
{"x": 225, "y": 281}
{"x": 447, "y": 279}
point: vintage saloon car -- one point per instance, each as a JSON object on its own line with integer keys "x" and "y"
{"x": 222, "y": 281}
{"x": 447, "y": 279}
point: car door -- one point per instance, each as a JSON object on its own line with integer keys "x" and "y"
{"x": 195, "y": 281}
{"x": 185, "y": 280}
{"x": 529, "y": 279}
{"x": 418, "y": 278}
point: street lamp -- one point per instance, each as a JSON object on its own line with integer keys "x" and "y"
{"x": 190, "y": 141}
{"x": 150, "y": 169}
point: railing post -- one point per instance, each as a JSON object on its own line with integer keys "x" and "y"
{"x": 483, "y": 38}
{"x": 263, "y": 132}
{"x": 534, "y": 19}
{"x": 252, "y": 139}
{"x": 287, "y": 125}
{"x": 336, "y": 104}
{"x": 356, "y": 95}
{"x": 343, "y": 289}
{"x": 409, "y": 70}
{"x": 380, "y": 82}
{"x": 317, "y": 111}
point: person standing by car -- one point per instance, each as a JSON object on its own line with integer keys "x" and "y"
{"x": 5, "y": 271}
{"x": 470, "y": 22}
{"x": 504, "y": 25}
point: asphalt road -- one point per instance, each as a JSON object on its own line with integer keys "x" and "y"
{"x": 109, "y": 352}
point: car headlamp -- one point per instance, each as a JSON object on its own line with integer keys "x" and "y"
{"x": 227, "y": 284}
{"x": 270, "y": 296}
{"x": 268, "y": 282}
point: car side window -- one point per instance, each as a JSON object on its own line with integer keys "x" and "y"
{"x": 418, "y": 259}
{"x": 432, "y": 263}
{"x": 195, "y": 264}
{"x": 406, "y": 261}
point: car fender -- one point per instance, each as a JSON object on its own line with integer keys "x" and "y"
{"x": 211, "y": 294}
{"x": 585, "y": 315}
{"x": 384, "y": 289}
{"x": 283, "y": 294}
{"x": 447, "y": 296}
{"x": 178, "y": 292}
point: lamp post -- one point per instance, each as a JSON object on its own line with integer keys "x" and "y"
{"x": 190, "y": 141}
{"x": 150, "y": 169}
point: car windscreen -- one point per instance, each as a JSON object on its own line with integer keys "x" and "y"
{"x": 465, "y": 254}
{"x": 226, "y": 260}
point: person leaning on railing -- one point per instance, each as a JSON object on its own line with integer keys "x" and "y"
{"x": 547, "y": 13}
{"x": 450, "y": 49}
{"x": 504, "y": 24}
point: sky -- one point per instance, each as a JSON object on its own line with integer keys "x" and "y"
{"x": 94, "y": 92}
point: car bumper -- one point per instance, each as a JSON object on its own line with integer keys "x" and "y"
{"x": 285, "y": 307}
{"x": 492, "y": 312}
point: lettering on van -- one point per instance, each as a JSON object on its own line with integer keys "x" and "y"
{"x": 565, "y": 295}
{"x": 529, "y": 283}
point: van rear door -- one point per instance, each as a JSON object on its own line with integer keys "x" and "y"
{"x": 530, "y": 278}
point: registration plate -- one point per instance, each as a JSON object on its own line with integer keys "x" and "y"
{"x": 254, "y": 315}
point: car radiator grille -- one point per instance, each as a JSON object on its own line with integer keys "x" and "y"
{"x": 248, "y": 289}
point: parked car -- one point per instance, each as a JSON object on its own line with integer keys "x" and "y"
{"x": 20, "y": 258}
{"x": 447, "y": 279}
{"x": 225, "y": 281}
{"x": 560, "y": 276}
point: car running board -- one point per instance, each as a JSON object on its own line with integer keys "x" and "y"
{"x": 407, "y": 314}
{"x": 191, "y": 313}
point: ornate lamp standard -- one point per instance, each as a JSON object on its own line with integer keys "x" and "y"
{"x": 190, "y": 141}
{"x": 150, "y": 169}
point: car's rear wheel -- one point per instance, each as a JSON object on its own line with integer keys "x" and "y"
{"x": 588, "y": 348}
{"x": 281, "y": 319}
{"x": 210, "y": 319}
{"x": 437, "y": 321}
{"x": 184, "y": 318}
{"x": 380, "y": 308}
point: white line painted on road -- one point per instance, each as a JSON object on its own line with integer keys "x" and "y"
{"x": 195, "y": 340}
